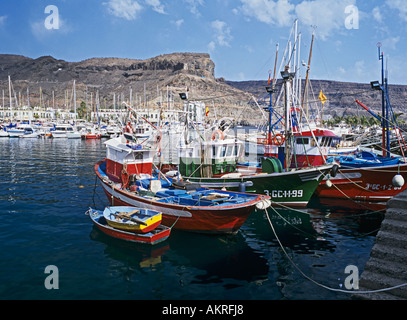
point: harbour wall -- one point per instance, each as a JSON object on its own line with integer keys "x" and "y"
{"x": 387, "y": 265}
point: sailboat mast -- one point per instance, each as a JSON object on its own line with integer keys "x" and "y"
{"x": 74, "y": 98}
{"x": 307, "y": 76}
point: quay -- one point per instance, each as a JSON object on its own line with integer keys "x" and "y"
{"x": 387, "y": 265}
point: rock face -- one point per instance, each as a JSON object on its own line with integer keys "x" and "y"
{"x": 341, "y": 96}
{"x": 150, "y": 79}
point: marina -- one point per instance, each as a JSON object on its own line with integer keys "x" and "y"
{"x": 154, "y": 180}
{"x": 322, "y": 239}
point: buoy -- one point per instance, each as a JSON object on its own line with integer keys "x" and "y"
{"x": 329, "y": 183}
{"x": 334, "y": 170}
{"x": 81, "y": 187}
{"x": 263, "y": 204}
{"x": 398, "y": 180}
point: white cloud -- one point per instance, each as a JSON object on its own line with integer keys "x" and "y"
{"x": 179, "y": 23}
{"x": 268, "y": 11}
{"x": 327, "y": 15}
{"x": 157, "y": 6}
{"x": 377, "y": 14}
{"x": 193, "y": 6}
{"x": 127, "y": 9}
{"x": 390, "y": 43}
{"x": 3, "y": 20}
{"x": 222, "y": 33}
{"x": 400, "y": 5}
{"x": 40, "y": 32}
{"x": 211, "y": 46}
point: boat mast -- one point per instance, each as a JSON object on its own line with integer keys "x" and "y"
{"x": 74, "y": 99}
{"x": 306, "y": 78}
{"x": 287, "y": 78}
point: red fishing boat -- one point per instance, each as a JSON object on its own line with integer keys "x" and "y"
{"x": 371, "y": 180}
{"x": 129, "y": 178}
{"x": 366, "y": 183}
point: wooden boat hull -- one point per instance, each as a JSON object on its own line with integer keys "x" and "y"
{"x": 294, "y": 188}
{"x": 91, "y": 136}
{"x": 225, "y": 219}
{"x": 159, "y": 234}
{"x": 152, "y": 221}
{"x": 371, "y": 184}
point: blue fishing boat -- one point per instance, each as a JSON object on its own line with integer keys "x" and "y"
{"x": 363, "y": 159}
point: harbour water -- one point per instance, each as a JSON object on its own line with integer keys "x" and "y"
{"x": 47, "y": 185}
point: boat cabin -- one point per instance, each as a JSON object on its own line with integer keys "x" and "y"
{"x": 211, "y": 158}
{"x": 127, "y": 158}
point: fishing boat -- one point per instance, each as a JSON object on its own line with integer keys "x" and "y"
{"x": 217, "y": 163}
{"x": 155, "y": 236}
{"x": 364, "y": 159}
{"x": 132, "y": 219}
{"x": 369, "y": 177}
{"x": 129, "y": 178}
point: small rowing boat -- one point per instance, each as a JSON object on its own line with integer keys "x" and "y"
{"x": 159, "y": 234}
{"x": 132, "y": 219}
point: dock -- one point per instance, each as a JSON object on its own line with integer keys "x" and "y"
{"x": 387, "y": 265}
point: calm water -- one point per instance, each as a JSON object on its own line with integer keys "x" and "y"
{"x": 46, "y": 186}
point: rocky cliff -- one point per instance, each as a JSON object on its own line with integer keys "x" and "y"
{"x": 149, "y": 81}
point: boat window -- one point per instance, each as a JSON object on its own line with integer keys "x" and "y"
{"x": 213, "y": 151}
{"x": 223, "y": 152}
{"x": 236, "y": 151}
{"x": 138, "y": 155}
{"x": 229, "y": 151}
{"x": 302, "y": 140}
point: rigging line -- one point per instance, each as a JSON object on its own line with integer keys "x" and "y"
{"x": 320, "y": 284}
{"x": 318, "y": 235}
{"x": 353, "y": 215}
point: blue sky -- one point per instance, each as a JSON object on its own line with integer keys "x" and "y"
{"x": 240, "y": 35}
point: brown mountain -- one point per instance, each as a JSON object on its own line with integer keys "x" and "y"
{"x": 149, "y": 80}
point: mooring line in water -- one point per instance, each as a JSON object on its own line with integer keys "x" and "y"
{"x": 316, "y": 236}
{"x": 320, "y": 284}
{"x": 353, "y": 215}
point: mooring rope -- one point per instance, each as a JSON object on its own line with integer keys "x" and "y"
{"x": 320, "y": 284}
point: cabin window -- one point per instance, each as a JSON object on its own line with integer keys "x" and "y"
{"x": 229, "y": 151}
{"x": 213, "y": 151}
{"x": 223, "y": 151}
{"x": 236, "y": 151}
{"x": 302, "y": 140}
{"x": 138, "y": 155}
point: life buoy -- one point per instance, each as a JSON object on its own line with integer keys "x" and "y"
{"x": 129, "y": 128}
{"x": 125, "y": 178}
{"x": 220, "y": 133}
{"x": 278, "y": 139}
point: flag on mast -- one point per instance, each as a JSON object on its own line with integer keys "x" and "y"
{"x": 322, "y": 97}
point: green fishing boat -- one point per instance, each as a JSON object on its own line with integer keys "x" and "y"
{"x": 216, "y": 163}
